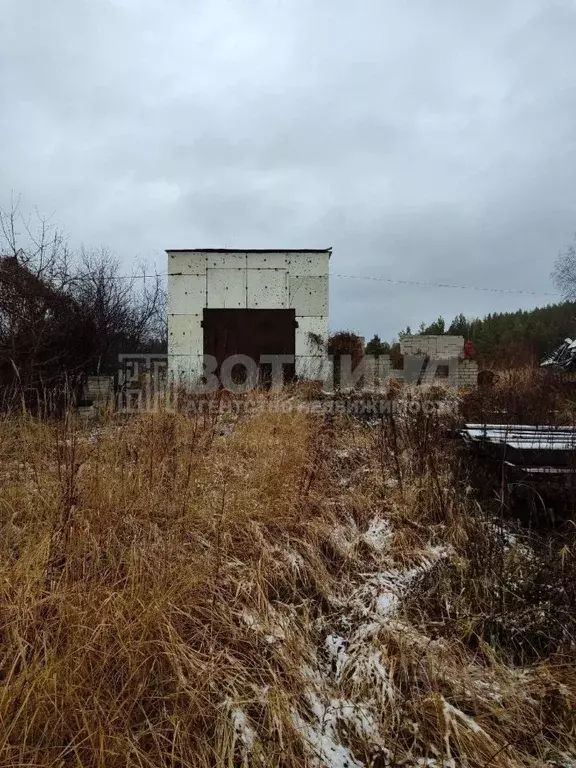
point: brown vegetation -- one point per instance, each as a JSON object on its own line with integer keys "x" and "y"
{"x": 278, "y": 589}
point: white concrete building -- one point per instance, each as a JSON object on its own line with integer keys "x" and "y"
{"x": 223, "y": 302}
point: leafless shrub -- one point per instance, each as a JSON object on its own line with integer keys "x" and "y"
{"x": 63, "y": 315}
{"x": 344, "y": 343}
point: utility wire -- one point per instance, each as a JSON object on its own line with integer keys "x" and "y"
{"x": 446, "y": 285}
{"x": 355, "y": 277}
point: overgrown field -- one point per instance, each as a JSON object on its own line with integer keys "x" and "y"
{"x": 275, "y": 589}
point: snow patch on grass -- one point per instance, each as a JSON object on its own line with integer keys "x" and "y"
{"x": 244, "y": 733}
{"x": 378, "y": 535}
{"x": 351, "y": 658}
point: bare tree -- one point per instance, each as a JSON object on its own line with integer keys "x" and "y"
{"x": 564, "y": 272}
{"x": 45, "y": 336}
{"x": 127, "y": 310}
{"x": 43, "y": 332}
{"x": 37, "y": 244}
{"x": 64, "y": 314}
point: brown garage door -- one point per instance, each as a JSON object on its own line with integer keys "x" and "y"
{"x": 251, "y": 332}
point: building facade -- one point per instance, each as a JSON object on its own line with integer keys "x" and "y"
{"x": 256, "y": 303}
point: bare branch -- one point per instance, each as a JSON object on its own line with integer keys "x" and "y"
{"x": 564, "y": 272}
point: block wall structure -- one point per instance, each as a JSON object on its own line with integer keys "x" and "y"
{"x": 434, "y": 346}
{"x": 247, "y": 279}
{"x": 467, "y": 373}
{"x": 443, "y": 347}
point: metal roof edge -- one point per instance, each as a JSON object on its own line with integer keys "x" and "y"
{"x": 249, "y": 250}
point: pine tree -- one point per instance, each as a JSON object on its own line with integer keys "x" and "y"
{"x": 377, "y": 347}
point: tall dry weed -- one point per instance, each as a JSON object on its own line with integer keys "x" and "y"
{"x": 267, "y": 588}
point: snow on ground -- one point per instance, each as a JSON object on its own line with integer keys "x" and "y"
{"x": 244, "y": 732}
{"x": 351, "y": 654}
{"x": 378, "y": 534}
{"x": 352, "y": 658}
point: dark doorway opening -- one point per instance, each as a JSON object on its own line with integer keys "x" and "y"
{"x": 254, "y": 333}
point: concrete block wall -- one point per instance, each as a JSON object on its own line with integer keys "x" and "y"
{"x": 99, "y": 389}
{"x": 258, "y": 279}
{"x": 467, "y": 373}
{"x": 434, "y": 346}
{"x": 378, "y": 370}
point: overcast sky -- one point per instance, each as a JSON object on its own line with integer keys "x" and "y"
{"x": 426, "y": 140}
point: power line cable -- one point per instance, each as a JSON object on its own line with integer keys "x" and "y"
{"x": 446, "y": 285}
{"x": 392, "y": 280}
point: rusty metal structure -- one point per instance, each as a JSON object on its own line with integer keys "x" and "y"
{"x": 532, "y": 468}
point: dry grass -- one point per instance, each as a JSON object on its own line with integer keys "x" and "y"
{"x": 278, "y": 589}
{"x": 524, "y": 395}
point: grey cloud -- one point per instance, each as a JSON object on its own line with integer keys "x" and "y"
{"x": 423, "y": 141}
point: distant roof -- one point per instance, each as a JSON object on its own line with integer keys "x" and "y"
{"x": 249, "y": 250}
